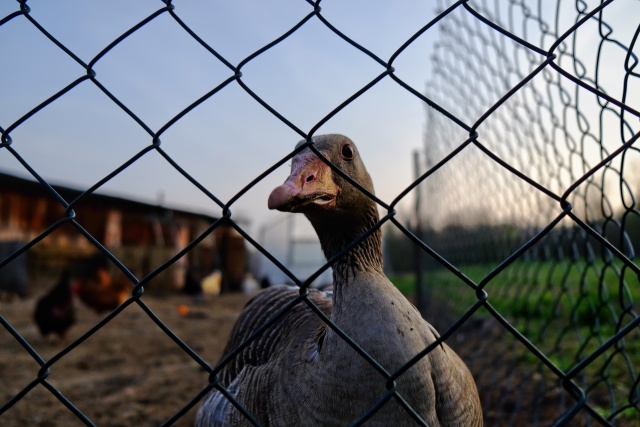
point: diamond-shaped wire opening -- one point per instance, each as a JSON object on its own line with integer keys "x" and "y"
{"x": 190, "y": 68}
{"x": 613, "y": 237}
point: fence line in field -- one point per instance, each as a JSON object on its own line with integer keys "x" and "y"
{"x": 541, "y": 209}
{"x": 546, "y": 286}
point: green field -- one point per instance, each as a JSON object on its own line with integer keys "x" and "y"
{"x": 586, "y": 294}
{"x": 568, "y": 310}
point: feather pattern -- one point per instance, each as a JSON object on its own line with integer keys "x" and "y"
{"x": 302, "y": 372}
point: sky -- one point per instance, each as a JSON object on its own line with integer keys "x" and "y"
{"x": 229, "y": 139}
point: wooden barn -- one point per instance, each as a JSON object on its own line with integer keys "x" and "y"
{"x": 143, "y": 236}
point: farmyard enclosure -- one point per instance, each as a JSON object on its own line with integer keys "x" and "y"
{"x": 522, "y": 226}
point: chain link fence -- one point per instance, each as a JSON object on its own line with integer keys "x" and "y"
{"x": 526, "y": 218}
{"x": 541, "y": 202}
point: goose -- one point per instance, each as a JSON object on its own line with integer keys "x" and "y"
{"x": 301, "y": 372}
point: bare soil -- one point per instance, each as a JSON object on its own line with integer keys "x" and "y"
{"x": 128, "y": 373}
{"x": 131, "y": 373}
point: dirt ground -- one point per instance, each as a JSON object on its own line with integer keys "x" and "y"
{"x": 130, "y": 373}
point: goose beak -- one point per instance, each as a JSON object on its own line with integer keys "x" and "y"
{"x": 309, "y": 187}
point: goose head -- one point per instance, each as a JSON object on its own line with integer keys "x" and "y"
{"x": 315, "y": 189}
{"x": 339, "y": 211}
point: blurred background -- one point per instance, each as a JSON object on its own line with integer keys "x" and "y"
{"x": 501, "y": 134}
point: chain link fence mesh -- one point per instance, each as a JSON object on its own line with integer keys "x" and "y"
{"x": 541, "y": 210}
{"x": 526, "y": 217}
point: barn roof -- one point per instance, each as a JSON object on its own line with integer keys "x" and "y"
{"x": 28, "y": 186}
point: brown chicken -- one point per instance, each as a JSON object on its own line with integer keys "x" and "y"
{"x": 97, "y": 288}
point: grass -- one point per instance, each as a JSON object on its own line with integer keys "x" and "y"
{"x": 589, "y": 294}
{"x": 567, "y": 309}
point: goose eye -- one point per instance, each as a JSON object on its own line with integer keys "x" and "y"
{"x": 347, "y": 152}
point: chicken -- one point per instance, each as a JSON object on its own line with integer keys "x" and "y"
{"x": 54, "y": 312}
{"x": 96, "y": 287}
{"x": 192, "y": 286}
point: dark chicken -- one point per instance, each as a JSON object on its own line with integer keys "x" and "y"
{"x": 54, "y": 312}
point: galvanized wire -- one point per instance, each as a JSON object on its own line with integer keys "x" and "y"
{"x": 509, "y": 182}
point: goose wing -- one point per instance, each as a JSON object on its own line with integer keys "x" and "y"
{"x": 295, "y": 331}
